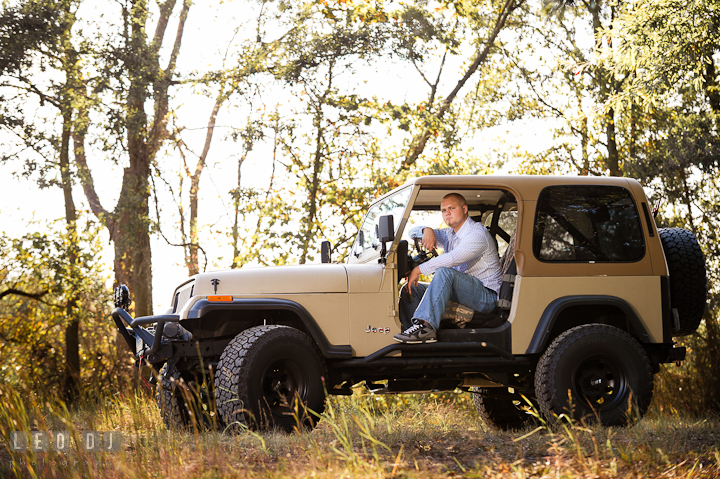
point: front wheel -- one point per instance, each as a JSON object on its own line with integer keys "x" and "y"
{"x": 184, "y": 400}
{"x": 594, "y": 371}
{"x": 270, "y": 376}
{"x": 170, "y": 400}
{"x": 501, "y": 409}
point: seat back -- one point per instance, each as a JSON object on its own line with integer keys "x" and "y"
{"x": 509, "y": 271}
{"x": 509, "y": 254}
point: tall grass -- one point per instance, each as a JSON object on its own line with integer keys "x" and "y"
{"x": 693, "y": 387}
{"x": 358, "y": 436}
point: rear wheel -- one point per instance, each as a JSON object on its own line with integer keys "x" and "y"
{"x": 270, "y": 376}
{"x": 594, "y": 371}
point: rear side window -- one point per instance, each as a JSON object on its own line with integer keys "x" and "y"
{"x": 587, "y": 224}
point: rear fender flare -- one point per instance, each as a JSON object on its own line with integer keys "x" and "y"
{"x": 552, "y": 312}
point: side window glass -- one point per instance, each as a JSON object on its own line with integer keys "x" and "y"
{"x": 587, "y": 223}
{"x": 507, "y": 222}
{"x": 557, "y": 243}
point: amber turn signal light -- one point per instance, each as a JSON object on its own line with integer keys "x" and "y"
{"x": 219, "y": 298}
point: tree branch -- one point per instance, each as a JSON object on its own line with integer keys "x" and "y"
{"x": 159, "y": 130}
{"x": 165, "y": 12}
{"x": 85, "y": 175}
{"x": 18, "y": 292}
{"x": 417, "y": 146}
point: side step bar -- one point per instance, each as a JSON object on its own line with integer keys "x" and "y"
{"x": 438, "y": 349}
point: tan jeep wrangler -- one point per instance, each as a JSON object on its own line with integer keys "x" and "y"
{"x": 592, "y": 296}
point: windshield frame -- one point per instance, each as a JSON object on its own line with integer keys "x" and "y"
{"x": 372, "y": 250}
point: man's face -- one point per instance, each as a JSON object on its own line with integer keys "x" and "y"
{"x": 453, "y": 214}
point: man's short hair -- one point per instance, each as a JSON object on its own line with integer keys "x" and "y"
{"x": 457, "y": 197}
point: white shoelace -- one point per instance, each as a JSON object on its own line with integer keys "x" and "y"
{"x": 413, "y": 328}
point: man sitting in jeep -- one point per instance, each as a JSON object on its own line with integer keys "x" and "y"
{"x": 469, "y": 273}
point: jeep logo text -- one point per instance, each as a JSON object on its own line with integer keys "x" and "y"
{"x": 371, "y": 329}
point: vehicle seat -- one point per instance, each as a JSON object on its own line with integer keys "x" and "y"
{"x": 501, "y": 312}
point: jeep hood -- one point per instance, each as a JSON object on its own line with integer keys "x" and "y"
{"x": 305, "y": 278}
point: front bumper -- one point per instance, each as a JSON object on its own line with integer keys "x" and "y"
{"x": 142, "y": 341}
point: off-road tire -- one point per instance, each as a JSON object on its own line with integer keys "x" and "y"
{"x": 501, "y": 413}
{"x": 688, "y": 281}
{"x": 261, "y": 375}
{"x": 170, "y": 401}
{"x": 605, "y": 370}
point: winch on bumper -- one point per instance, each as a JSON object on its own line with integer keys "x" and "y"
{"x": 156, "y": 339}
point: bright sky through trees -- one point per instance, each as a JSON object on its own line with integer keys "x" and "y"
{"x": 209, "y": 34}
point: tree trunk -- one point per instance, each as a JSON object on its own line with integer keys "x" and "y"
{"x": 584, "y": 140}
{"x": 613, "y": 160}
{"x": 133, "y": 263}
{"x": 314, "y": 185}
{"x": 236, "y": 225}
{"x": 711, "y": 85}
{"x": 236, "y": 205}
{"x": 192, "y": 258}
{"x": 608, "y": 86}
{"x": 72, "y": 330}
{"x": 129, "y": 223}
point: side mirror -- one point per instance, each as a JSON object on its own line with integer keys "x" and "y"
{"x": 386, "y": 229}
{"x": 325, "y": 248}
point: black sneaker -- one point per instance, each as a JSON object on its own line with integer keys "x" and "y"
{"x": 420, "y": 332}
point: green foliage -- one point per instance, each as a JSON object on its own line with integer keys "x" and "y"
{"x": 692, "y": 388}
{"x": 338, "y": 150}
{"x": 644, "y": 91}
{"x": 660, "y": 46}
{"x": 37, "y": 282}
{"x": 30, "y": 27}
{"x": 631, "y": 89}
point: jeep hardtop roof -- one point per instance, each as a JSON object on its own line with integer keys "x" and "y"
{"x": 528, "y": 186}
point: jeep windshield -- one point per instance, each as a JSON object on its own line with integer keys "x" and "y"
{"x": 366, "y": 244}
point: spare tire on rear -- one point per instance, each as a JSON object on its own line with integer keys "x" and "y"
{"x": 688, "y": 281}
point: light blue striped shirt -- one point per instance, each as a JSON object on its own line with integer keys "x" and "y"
{"x": 471, "y": 251}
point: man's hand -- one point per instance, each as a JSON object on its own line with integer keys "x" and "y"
{"x": 428, "y": 239}
{"x": 413, "y": 279}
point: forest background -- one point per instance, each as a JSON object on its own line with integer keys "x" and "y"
{"x": 145, "y": 141}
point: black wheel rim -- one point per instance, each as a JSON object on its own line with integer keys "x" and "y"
{"x": 600, "y": 383}
{"x": 282, "y": 382}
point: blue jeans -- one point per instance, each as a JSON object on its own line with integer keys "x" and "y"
{"x": 429, "y": 300}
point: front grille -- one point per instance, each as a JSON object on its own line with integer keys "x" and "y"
{"x": 182, "y": 296}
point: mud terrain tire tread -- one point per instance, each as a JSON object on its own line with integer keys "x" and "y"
{"x": 688, "y": 281}
{"x": 170, "y": 402}
{"x": 561, "y": 367}
{"x": 502, "y": 414}
{"x": 239, "y": 376}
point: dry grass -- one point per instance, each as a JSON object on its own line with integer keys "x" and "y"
{"x": 360, "y": 436}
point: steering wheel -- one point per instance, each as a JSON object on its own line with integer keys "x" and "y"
{"x": 422, "y": 256}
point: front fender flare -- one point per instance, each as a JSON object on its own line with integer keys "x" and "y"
{"x": 331, "y": 351}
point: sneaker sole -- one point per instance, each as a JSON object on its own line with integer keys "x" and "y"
{"x": 416, "y": 342}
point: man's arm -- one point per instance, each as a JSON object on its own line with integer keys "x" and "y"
{"x": 431, "y": 237}
{"x": 471, "y": 246}
{"x": 416, "y": 232}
